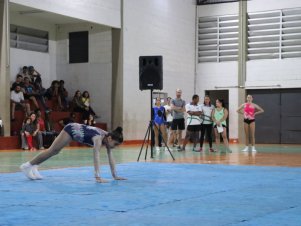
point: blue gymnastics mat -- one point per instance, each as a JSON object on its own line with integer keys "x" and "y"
{"x": 155, "y": 194}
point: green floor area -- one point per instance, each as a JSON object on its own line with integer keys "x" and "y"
{"x": 77, "y": 157}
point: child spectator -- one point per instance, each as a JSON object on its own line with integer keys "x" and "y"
{"x": 86, "y": 101}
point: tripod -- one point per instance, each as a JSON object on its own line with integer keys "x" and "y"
{"x": 148, "y": 134}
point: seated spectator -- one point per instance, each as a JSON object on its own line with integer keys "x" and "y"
{"x": 90, "y": 120}
{"x": 30, "y": 93}
{"x": 65, "y": 121}
{"x": 17, "y": 99}
{"x": 86, "y": 101}
{"x": 37, "y": 136}
{"x": 24, "y": 72}
{"x": 64, "y": 94}
{"x": 40, "y": 128}
{"x": 19, "y": 81}
{"x": 34, "y": 75}
{"x": 40, "y": 93}
{"x": 27, "y": 131}
{"x": 53, "y": 94}
{"x": 78, "y": 104}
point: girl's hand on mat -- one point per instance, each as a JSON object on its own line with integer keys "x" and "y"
{"x": 119, "y": 178}
{"x": 100, "y": 180}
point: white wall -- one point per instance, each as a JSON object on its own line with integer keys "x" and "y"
{"x": 45, "y": 63}
{"x": 156, "y": 27}
{"x": 105, "y": 12}
{"x": 94, "y": 76}
{"x": 224, "y": 74}
{"x": 285, "y": 72}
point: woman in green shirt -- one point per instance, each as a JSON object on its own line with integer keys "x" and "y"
{"x": 219, "y": 116}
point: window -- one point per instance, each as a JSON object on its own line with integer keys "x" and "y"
{"x": 218, "y": 39}
{"x": 79, "y": 47}
{"x": 28, "y": 38}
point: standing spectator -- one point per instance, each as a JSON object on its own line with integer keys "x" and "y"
{"x": 53, "y": 94}
{"x": 27, "y": 131}
{"x": 86, "y": 101}
{"x": 30, "y": 93}
{"x": 159, "y": 121}
{"x": 194, "y": 121}
{"x": 90, "y": 120}
{"x": 169, "y": 118}
{"x": 17, "y": 99}
{"x": 219, "y": 117}
{"x": 206, "y": 127}
{"x": 64, "y": 94}
{"x": 65, "y": 121}
{"x": 178, "y": 123}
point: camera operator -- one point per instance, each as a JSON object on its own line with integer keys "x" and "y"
{"x": 159, "y": 120}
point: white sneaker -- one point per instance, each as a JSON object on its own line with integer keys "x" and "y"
{"x": 36, "y": 172}
{"x": 27, "y": 170}
{"x": 245, "y": 149}
{"x": 157, "y": 148}
{"x": 253, "y": 149}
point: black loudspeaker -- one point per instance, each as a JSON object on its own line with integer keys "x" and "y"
{"x": 150, "y": 72}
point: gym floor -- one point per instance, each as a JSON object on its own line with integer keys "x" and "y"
{"x": 205, "y": 188}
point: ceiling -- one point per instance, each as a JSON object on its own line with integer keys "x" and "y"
{"x": 33, "y": 13}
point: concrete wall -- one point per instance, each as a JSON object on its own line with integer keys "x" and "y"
{"x": 105, "y": 12}
{"x": 156, "y": 27}
{"x": 45, "y": 63}
{"x": 94, "y": 76}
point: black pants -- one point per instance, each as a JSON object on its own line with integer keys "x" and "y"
{"x": 206, "y": 128}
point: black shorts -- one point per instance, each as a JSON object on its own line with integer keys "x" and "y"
{"x": 194, "y": 128}
{"x": 178, "y": 124}
{"x": 249, "y": 121}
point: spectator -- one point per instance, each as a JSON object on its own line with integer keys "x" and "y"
{"x": 53, "y": 94}
{"x": 19, "y": 81}
{"x": 78, "y": 104}
{"x": 34, "y": 75}
{"x": 65, "y": 121}
{"x": 86, "y": 101}
{"x": 24, "y": 72}
{"x": 37, "y": 136}
{"x": 30, "y": 93}
{"x": 64, "y": 94}
{"x": 17, "y": 99}
{"x": 90, "y": 120}
{"x": 168, "y": 113}
{"x": 27, "y": 131}
{"x": 50, "y": 134}
{"x": 41, "y": 128}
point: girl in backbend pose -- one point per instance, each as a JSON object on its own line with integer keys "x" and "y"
{"x": 84, "y": 134}
{"x": 249, "y": 110}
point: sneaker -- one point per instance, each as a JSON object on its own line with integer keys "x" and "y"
{"x": 253, "y": 149}
{"x": 245, "y": 149}
{"x": 41, "y": 148}
{"x": 157, "y": 148}
{"x": 196, "y": 150}
{"x": 36, "y": 172}
{"x": 211, "y": 150}
{"x": 181, "y": 149}
{"x": 26, "y": 168}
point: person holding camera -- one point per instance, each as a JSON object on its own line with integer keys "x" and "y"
{"x": 159, "y": 122}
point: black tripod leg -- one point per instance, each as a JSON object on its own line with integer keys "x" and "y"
{"x": 164, "y": 142}
{"x": 146, "y": 134}
{"x": 149, "y": 132}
